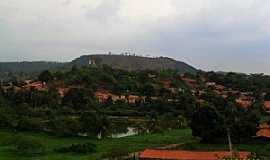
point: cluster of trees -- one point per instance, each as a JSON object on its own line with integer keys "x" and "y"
{"x": 243, "y": 82}
{"x": 117, "y": 80}
{"x": 219, "y": 120}
{"x": 79, "y": 111}
{"x": 42, "y": 111}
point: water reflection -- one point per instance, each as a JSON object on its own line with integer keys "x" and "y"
{"x": 131, "y": 131}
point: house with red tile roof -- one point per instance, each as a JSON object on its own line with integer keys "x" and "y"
{"x": 244, "y": 103}
{"x": 220, "y": 88}
{"x": 62, "y": 91}
{"x": 149, "y": 154}
{"x": 35, "y": 85}
{"x": 267, "y": 105}
{"x": 190, "y": 82}
{"x": 264, "y": 132}
{"x": 103, "y": 95}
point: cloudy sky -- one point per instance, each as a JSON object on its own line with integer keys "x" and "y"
{"x": 228, "y": 35}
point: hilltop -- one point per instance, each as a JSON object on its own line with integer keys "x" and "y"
{"x": 131, "y": 62}
{"x": 126, "y": 62}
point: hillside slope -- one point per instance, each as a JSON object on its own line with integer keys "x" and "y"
{"x": 134, "y": 62}
{"x": 31, "y": 69}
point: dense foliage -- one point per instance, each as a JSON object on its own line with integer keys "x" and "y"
{"x": 165, "y": 100}
{"x": 79, "y": 111}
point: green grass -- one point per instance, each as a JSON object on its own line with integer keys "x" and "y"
{"x": 131, "y": 144}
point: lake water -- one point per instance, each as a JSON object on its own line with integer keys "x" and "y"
{"x": 131, "y": 131}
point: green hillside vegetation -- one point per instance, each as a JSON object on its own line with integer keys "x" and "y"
{"x": 66, "y": 105}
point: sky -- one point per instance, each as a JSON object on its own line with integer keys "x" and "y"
{"x": 220, "y": 35}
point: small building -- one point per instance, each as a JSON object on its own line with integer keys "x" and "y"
{"x": 103, "y": 95}
{"x": 190, "y": 82}
{"x": 264, "y": 132}
{"x": 149, "y": 154}
{"x": 220, "y": 88}
{"x": 38, "y": 85}
{"x": 210, "y": 84}
{"x": 244, "y": 103}
{"x": 267, "y": 105}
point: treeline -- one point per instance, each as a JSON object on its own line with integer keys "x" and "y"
{"x": 240, "y": 81}
{"x": 79, "y": 111}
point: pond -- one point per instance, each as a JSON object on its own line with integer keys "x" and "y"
{"x": 131, "y": 131}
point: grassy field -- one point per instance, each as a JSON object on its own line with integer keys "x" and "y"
{"x": 132, "y": 144}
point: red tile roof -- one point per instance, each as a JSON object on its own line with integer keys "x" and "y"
{"x": 166, "y": 83}
{"x": 219, "y": 87}
{"x": 244, "y": 103}
{"x": 263, "y": 133}
{"x": 190, "y": 82}
{"x": 188, "y": 155}
{"x": 102, "y": 95}
{"x": 35, "y": 85}
{"x": 267, "y": 105}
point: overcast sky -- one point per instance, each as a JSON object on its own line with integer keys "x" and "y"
{"x": 227, "y": 35}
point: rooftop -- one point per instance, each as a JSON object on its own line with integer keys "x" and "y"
{"x": 188, "y": 155}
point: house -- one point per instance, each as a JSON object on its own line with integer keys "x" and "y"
{"x": 190, "y": 82}
{"x": 35, "y": 85}
{"x": 149, "y": 154}
{"x": 220, "y": 88}
{"x": 133, "y": 98}
{"x": 244, "y": 103}
{"x": 62, "y": 91}
{"x": 264, "y": 132}
{"x": 166, "y": 83}
{"x": 267, "y": 105}
{"x": 102, "y": 95}
{"x": 210, "y": 84}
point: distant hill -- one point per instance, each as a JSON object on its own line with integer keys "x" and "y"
{"x": 116, "y": 61}
{"x": 130, "y": 62}
{"x": 28, "y": 66}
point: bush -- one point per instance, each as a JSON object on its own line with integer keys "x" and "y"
{"x": 78, "y": 148}
{"x": 116, "y": 152}
{"x": 26, "y": 145}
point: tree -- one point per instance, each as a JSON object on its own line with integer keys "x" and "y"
{"x": 206, "y": 123}
{"x": 79, "y": 99}
{"x": 148, "y": 89}
{"x": 213, "y": 123}
{"x": 94, "y": 123}
{"x": 45, "y": 76}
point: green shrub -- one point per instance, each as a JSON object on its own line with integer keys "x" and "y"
{"x": 78, "y": 148}
{"x": 116, "y": 153}
{"x": 26, "y": 145}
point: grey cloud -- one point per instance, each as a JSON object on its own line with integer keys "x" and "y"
{"x": 210, "y": 34}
